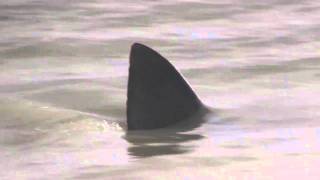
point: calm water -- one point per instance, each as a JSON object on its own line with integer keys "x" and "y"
{"x": 63, "y": 74}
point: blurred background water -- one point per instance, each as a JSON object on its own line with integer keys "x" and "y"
{"x": 63, "y": 75}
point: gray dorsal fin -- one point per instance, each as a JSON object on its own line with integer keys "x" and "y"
{"x": 158, "y": 96}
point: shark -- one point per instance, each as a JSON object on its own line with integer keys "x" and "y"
{"x": 158, "y": 96}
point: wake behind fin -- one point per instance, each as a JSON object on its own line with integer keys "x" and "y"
{"x": 158, "y": 96}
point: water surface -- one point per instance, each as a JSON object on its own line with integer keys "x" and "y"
{"x": 63, "y": 75}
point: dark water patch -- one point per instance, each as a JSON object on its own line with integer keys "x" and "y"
{"x": 19, "y": 88}
{"x": 282, "y": 40}
{"x": 78, "y": 48}
{"x": 257, "y": 7}
{"x": 251, "y": 5}
{"x": 15, "y": 42}
{"x": 33, "y": 164}
{"x": 311, "y": 63}
{"x": 59, "y": 5}
{"x": 140, "y": 20}
{"x": 311, "y": 31}
{"x": 5, "y": 18}
{"x": 95, "y": 12}
{"x": 289, "y": 2}
{"x": 243, "y": 158}
{"x": 54, "y": 49}
{"x": 22, "y": 138}
{"x": 275, "y": 3}
{"x": 308, "y": 9}
{"x": 191, "y": 11}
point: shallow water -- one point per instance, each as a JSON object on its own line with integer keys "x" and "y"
{"x": 63, "y": 75}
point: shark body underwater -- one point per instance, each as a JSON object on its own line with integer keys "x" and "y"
{"x": 158, "y": 96}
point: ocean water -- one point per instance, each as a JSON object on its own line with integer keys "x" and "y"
{"x": 63, "y": 77}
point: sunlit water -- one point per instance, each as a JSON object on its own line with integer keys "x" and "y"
{"x": 63, "y": 75}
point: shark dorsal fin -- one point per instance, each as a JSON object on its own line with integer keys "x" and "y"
{"x": 158, "y": 96}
